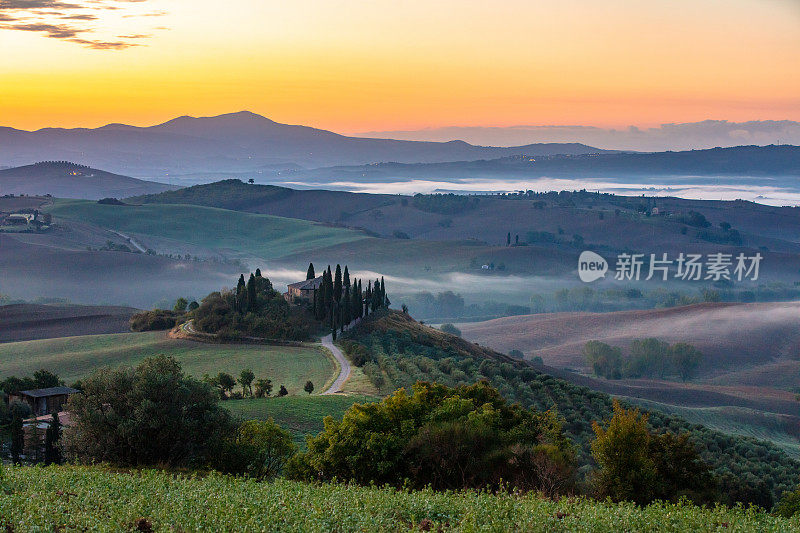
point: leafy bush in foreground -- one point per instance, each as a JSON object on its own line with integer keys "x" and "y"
{"x": 88, "y": 498}
{"x": 467, "y": 437}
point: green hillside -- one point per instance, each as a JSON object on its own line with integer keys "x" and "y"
{"x": 91, "y": 499}
{"x": 250, "y": 234}
{"x": 396, "y": 351}
{"x": 74, "y": 358}
{"x": 300, "y": 415}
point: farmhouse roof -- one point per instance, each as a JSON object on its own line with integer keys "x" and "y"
{"x": 50, "y": 391}
{"x": 307, "y": 285}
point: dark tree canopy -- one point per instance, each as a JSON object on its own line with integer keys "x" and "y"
{"x": 153, "y": 414}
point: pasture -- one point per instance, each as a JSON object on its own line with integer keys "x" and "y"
{"x": 74, "y": 358}
{"x": 248, "y": 234}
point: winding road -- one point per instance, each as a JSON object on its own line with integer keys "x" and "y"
{"x": 344, "y": 373}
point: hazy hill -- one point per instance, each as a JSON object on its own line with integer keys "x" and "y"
{"x": 235, "y": 142}
{"x": 69, "y": 180}
{"x": 751, "y": 161}
{"x": 731, "y": 336}
{"x": 22, "y": 322}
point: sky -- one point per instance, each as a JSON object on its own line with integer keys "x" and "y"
{"x": 355, "y": 66}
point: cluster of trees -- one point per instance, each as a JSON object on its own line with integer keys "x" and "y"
{"x": 445, "y": 438}
{"x": 225, "y": 384}
{"x": 338, "y": 301}
{"x": 450, "y": 305}
{"x": 445, "y": 204}
{"x": 650, "y": 358}
{"x": 254, "y": 308}
{"x": 154, "y": 414}
{"x": 394, "y": 351}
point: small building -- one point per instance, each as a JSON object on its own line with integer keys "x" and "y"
{"x": 19, "y": 219}
{"x": 44, "y": 401}
{"x": 303, "y": 289}
{"x": 655, "y": 211}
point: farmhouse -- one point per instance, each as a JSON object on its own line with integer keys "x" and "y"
{"x": 303, "y": 289}
{"x": 44, "y": 401}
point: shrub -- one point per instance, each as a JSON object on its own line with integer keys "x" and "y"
{"x": 148, "y": 415}
{"x": 259, "y": 449}
{"x": 446, "y": 438}
{"x": 451, "y": 329}
{"x": 155, "y": 320}
{"x": 789, "y": 505}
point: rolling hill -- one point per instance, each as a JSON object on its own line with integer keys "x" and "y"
{"x": 782, "y": 161}
{"x": 731, "y": 336}
{"x": 22, "y": 322}
{"x": 234, "y": 142}
{"x": 748, "y": 381}
{"x": 69, "y": 180}
{"x": 74, "y": 358}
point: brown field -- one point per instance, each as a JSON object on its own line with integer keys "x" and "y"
{"x": 748, "y": 384}
{"x": 22, "y": 322}
{"x": 108, "y": 278}
{"x": 731, "y": 336}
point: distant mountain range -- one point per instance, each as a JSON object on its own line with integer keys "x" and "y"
{"x": 773, "y": 162}
{"x": 68, "y": 180}
{"x": 236, "y": 143}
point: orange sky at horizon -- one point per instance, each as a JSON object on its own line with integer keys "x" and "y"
{"x": 352, "y": 66}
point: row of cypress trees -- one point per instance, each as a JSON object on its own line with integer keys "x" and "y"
{"x": 340, "y": 301}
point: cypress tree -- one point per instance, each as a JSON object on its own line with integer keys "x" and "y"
{"x": 367, "y": 298}
{"x": 241, "y": 295}
{"x": 383, "y": 293}
{"x": 252, "y": 299}
{"x": 360, "y": 299}
{"x": 258, "y": 273}
{"x": 346, "y": 305}
{"x": 376, "y": 295}
{"x": 327, "y": 281}
{"x": 508, "y": 239}
{"x": 337, "y": 284}
{"x": 52, "y": 454}
{"x": 310, "y": 274}
{"x": 346, "y": 278}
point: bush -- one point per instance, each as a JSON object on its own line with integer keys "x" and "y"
{"x": 445, "y": 438}
{"x": 789, "y": 505}
{"x": 155, "y": 320}
{"x": 451, "y": 329}
{"x": 153, "y": 414}
{"x": 260, "y": 450}
{"x": 635, "y": 465}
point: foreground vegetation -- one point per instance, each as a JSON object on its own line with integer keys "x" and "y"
{"x": 395, "y": 351}
{"x": 90, "y": 498}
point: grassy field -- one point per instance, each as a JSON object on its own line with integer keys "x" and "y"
{"x": 73, "y": 358}
{"x": 300, "y": 415}
{"x": 250, "y": 234}
{"x": 90, "y": 499}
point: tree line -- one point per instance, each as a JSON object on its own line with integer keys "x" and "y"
{"x": 651, "y": 358}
